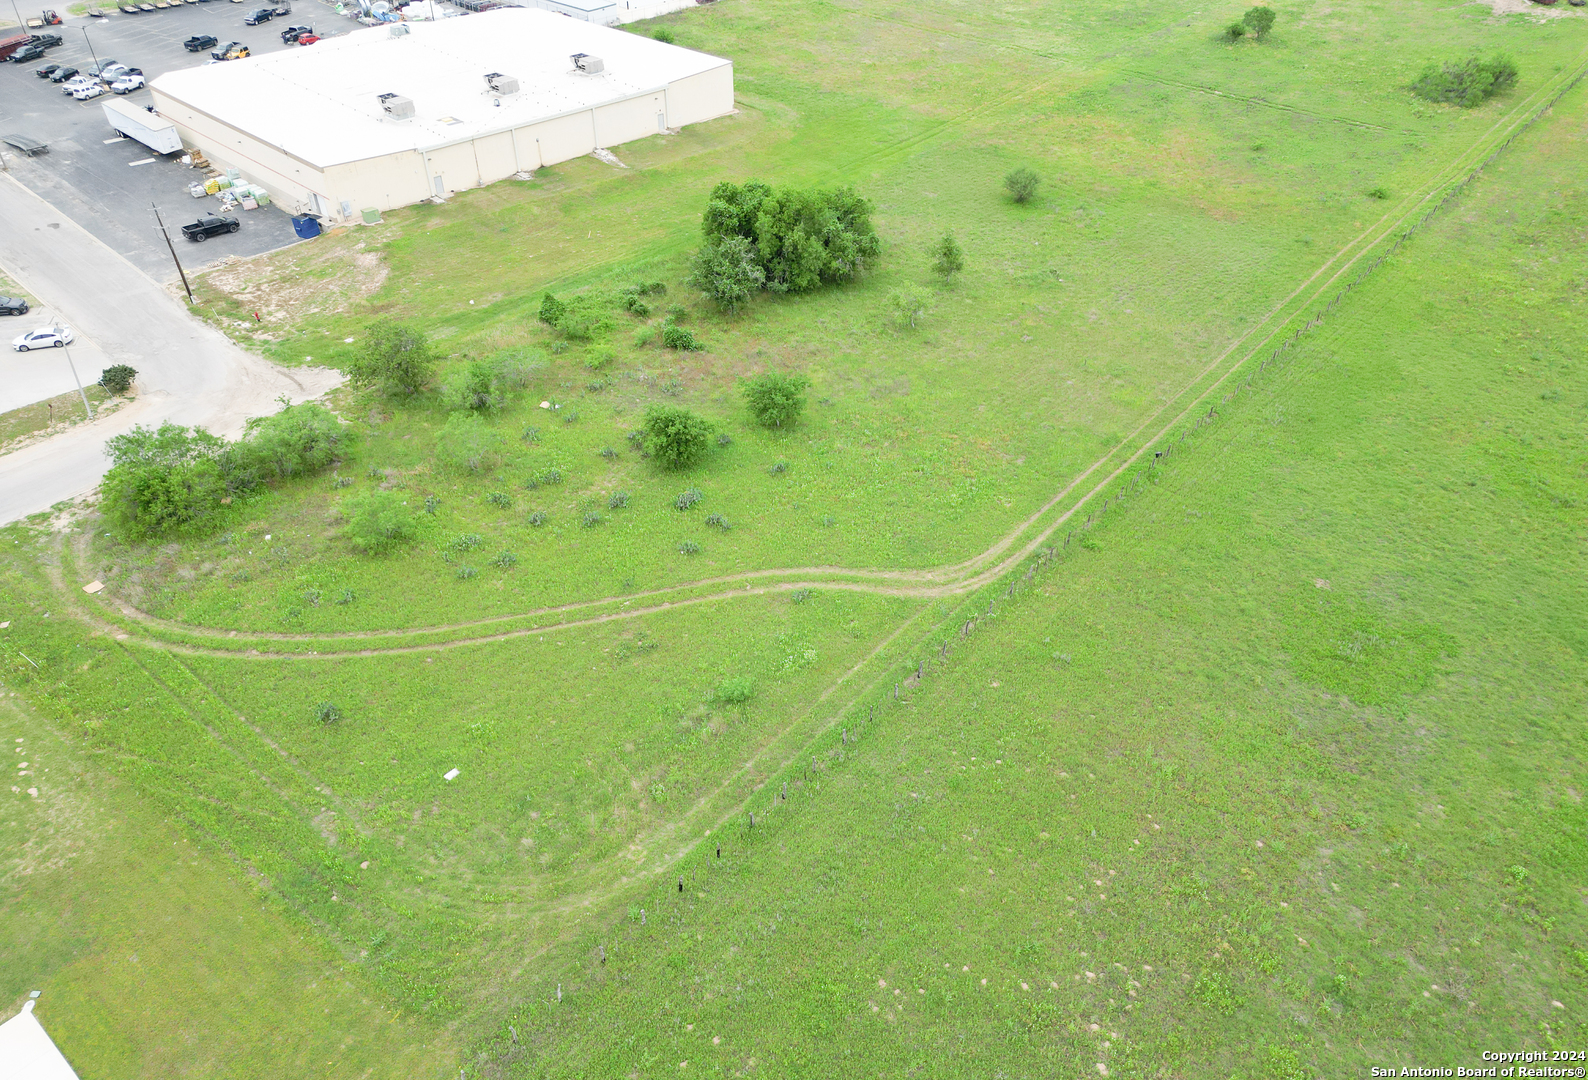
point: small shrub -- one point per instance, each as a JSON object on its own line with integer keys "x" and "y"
{"x": 676, "y": 337}
{"x": 775, "y": 398}
{"x": 393, "y": 358}
{"x": 375, "y": 472}
{"x": 312, "y": 597}
{"x": 378, "y": 522}
{"x": 618, "y": 501}
{"x": 500, "y": 499}
{"x": 908, "y": 303}
{"x": 637, "y": 438}
{"x": 664, "y": 35}
{"x": 609, "y": 453}
{"x": 341, "y": 482}
{"x": 472, "y": 387}
{"x": 1234, "y": 32}
{"x": 724, "y": 439}
{"x": 1213, "y": 989}
{"x": 1377, "y": 193}
{"x": 327, "y": 712}
{"x": 117, "y": 379}
{"x": 689, "y": 547}
{"x": 505, "y": 560}
{"x": 717, "y": 521}
{"x": 599, "y": 357}
{"x": 778, "y": 468}
{"x": 571, "y": 416}
{"x": 1021, "y": 184}
{"x": 432, "y": 504}
{"x": 465, "y": 542}
{"x": 464, "y": 573}
{"x": 466, "y": 444}
{"x": 799, "y": 596}
{"x": 596, "y": 386}
{"x": 345, "y": 598}
{"x": 558, "y": 347}
{"x": 551, "y": 310}
{"x": 592, "y": 519}
{"x": 948, "y": 258}
{"x": 530, "y": 435}
{"x": 687, "y": 499}
{"x": 734, "y": 691}
{"x": 644, "y": 336}
{"x": 537, "y": 519}
{"x": 1468, "y": 83}
{"x": 828, "y": 521}
{"x": 675, "y": 437}
{"x": 1259, "y": 20}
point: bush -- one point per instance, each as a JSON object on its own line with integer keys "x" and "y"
{"x": 726, "y": 269}
{"x": 551, "y": 310}
{"x": 908, "y": 303}
{"x": 393, "y": 358}
{"x": 472, "y": 388}
{"x": 500, "y": 499}
{"x": 734, "y": 691}
{"x": 298, "y": 439}
{"x": 505, "y": 560}
{"x": 1259, "y": 20}
{"x": 378, "y": 522}
{"x": 537, "y": 519}
{"x": 947, "y": 257}
{"x": 717, "y": 521}
{"x": 676, "y": 337}
{"x": 675, "y": 437}
{"x": 327, "y": 712}
{"x": 166, "y": 480}
{"x": 687, "y": 499}
{"x": 467, "y": 445}
{"x": 775, "y": 398}
{"x": 513, "y": 369}
{"x": 599, "y": 356}
{"x": 1021, "y": 184}
{"x": 592, "y": 518}
{"x": 1468, "y": 83}
{"x": 618, "y": 501}
{"x": 1234, "y": 32}
{"x": 664, "y": 35}
{"x": 802, "y": 237}
{"x": 689, "y": 547}
{"x": 117, "y": 379}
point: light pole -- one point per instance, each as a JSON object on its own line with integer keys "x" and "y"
{"x": 86, "y": 406}
{"x": 90, "y": 45}
{"x": 182, "y": 273}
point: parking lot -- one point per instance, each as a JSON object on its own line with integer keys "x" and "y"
{"x": 107, "y": 184}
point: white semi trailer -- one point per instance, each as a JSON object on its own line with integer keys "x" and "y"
{"x": 134, "y": 122}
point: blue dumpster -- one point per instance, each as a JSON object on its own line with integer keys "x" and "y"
{"x": 307, "y": 226}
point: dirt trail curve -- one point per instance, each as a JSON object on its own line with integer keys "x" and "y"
{"x": 188, "y": 372}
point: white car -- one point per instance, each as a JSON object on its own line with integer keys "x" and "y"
{"x": 92, "y": 90}
{"x": 76, "y": 83}
{"x": 47, "y": 337}
{"x": 127, "y": 84}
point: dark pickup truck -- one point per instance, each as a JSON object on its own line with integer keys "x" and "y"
{"x": 27, "y": 53}
{"x": 200, "y": 42}
{"x": 206, "y": 227}
{"x": 45, "y": 41}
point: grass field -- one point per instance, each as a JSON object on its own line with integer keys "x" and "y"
{"x": 1272, "y": 768}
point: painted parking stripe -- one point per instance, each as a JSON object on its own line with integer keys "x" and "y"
{"x": 142, "y": 161}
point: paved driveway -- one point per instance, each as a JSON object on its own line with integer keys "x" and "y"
{"x": 106, "y": 184}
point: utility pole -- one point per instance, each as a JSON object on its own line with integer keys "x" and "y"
{"x": 86, "y": 406}
{"x": 172, "y": 247}
{"x": 90, "y": 45}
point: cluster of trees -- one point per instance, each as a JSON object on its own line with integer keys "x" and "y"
{"x": 1467, "y": 83}
{"x": 175, "y": 479}
{"x": 783, "y": 239}
{"x": 1257, "y": 21}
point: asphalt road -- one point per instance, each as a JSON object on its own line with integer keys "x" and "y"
{"x": 189, "y": 373}
{"x": 106, "y": 184}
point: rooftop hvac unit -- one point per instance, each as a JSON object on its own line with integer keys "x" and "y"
{"x": 502, "y": 84}
{"x": 398, "y": 30}
{"x": 590, "y": 65}
{"x": 397, "y": 106}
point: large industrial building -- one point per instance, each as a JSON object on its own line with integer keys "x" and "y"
{"x": 396, "y": 114}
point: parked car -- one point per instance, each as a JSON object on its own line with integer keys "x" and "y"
{"x": 76, "y": 83}
{"x": 200, "y": 42}
{"x": 128, "y": 84}
{"x": 235, "y": 50}
{"x": 13, "y": 305}
{"x": 46, "y": 337}
{"x": 118, "y": 71}
{"x": 291, "y": 33}
{"x": 61, "y": 74}
{"x": 47, "y": 70}
{"x": 95, "y": 69}
{"x": 92, "y": 90}
{"x": 206, "y": 227}
{"x": 258, "y": 15}
{"x": 27, "y": 53}
{"x": 46, "y": 41}
{"x": 308, "y": 39}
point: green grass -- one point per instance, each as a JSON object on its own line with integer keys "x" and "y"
{"x": 64, "y": 409}
{"x": 1342, "y": 620}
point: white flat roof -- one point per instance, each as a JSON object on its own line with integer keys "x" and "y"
{"x": 320, "y": 103}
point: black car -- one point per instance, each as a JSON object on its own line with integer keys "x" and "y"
{"x": 200, "y": 42}
{"x": 257, "y": 16}
{"x": 292, "y": 33}
{"x": 61, "y": 74}
{"x": 13, "y": 305}
{"x": 47, "y": 70}
{"x": 206, "y": 227}
{"x": 45, "y": 41}
{"x": 26, "y": 53}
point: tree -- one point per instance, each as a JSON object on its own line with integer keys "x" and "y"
{"x": 1259, "y": 20}
{"x": 1468, "y": 83}
{"x": 393, "y": 358}
{"x": 149, "y": 500}
{"x": 117, "y": 379}
{"x": 909, "y": 303}
{"x": 775, "y": 398}
{"x": 1022, "y": 184}
{"x": 807, "y": 238}
{"x": 675, "y": 437}
{"x": 378, "y": 521}
{"x": 1234, "y": 32}
{"x": 947, "y": 258}
{"x": 727, "y": 271}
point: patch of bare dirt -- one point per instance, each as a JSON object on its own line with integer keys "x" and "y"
{"x": 284, "y": 286}
{"x": 1528, "y": 7}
